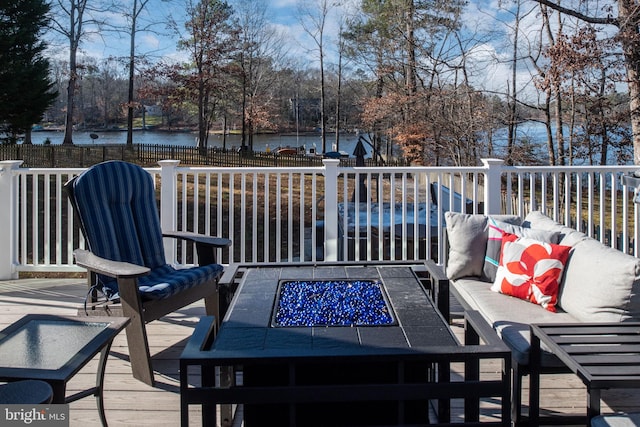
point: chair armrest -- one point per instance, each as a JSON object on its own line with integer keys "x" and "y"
{"x": 439, "y": 287}
{"x": 107, "y": 267}
{"x": 217, "y": 242}
{"x": 205, "y": 245}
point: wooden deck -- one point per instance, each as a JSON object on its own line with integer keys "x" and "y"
{"x": 129, "y": 402}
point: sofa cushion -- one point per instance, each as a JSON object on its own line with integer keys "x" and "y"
{"x": 567, "y": 236}
{"x": 531, "y": 270}
{"x": 616, "y": 420}
{"x": 601, "y": 284}
{"x": 509, "y": 316}
{"x": 467, "y": 235}
{"x": 495, "y": 230}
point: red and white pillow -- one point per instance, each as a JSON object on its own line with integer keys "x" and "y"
{"x": 496, "y": 229}
{"x": 531, "y": 270}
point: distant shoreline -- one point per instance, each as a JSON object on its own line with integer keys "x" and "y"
{"x": 308, "y": 142}
{"x": 234, "y": 132}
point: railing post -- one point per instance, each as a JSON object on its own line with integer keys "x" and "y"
{"x": 493, "y": 186}
{"x": 168, "y": 205}
{"x": 331, "y": 173}
{"x": 9, "y": 219}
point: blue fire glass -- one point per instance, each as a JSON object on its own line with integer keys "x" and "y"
{"x": 332, "y": 303}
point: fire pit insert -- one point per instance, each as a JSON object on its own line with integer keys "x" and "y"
{"x": 332, "y": 303}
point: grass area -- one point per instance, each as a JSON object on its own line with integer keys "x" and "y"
{"x": 149, "y": 121}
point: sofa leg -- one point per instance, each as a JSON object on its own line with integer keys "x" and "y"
{"x": 516, "y": 396}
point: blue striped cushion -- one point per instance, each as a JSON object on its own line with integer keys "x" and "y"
{"x": 166, "y": 281}
{"x": 117, "y": 206}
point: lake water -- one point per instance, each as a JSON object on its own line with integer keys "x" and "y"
{"x": 532, "y": 131}
{"x": 188, "y": 139}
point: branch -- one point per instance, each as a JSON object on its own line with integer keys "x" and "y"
{"x": 590, "y": 19}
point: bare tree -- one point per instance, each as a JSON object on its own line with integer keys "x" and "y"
{"x": 212, "y": 44}
{"x": 512, "y": 85}
{"x": 137, "y": 8}
{"x": 341, "y": 49}
{"x": 628, "y": 24}
{"x": 262, "y": 53}
{"x": 313, "y": 17}
{"x": 406, "y": 105}
{"x": 73, "y": 19}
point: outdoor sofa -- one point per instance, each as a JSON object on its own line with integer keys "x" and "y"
{"x": 595, "y": 283}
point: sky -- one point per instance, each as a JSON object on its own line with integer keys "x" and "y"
{"x": 284, "y": 15}
{"x": 488, "y": 57}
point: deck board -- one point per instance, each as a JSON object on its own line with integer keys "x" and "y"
{"x": 129, "y": 402}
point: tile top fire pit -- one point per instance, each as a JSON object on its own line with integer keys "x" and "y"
{"x": 335, "y": 345}
{"x": 369, "y": 308}
{"x": 332, "y": 303}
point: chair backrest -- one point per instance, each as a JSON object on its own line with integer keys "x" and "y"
{"x": 116, "y": 205}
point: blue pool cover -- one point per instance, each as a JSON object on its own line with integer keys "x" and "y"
{"x": 332, "y": 303}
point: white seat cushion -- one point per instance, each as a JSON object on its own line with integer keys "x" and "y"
{"x": 616, "y": 420}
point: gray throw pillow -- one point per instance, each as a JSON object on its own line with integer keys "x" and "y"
{"x": 601, "y": 284}
{"x": 567, "y": 237}
{"x": 467, "y": 236}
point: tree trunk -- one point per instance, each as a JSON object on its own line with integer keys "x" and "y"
{"x": 68, "y": 125}
{"x": 27, "y": 136}
{"x": 555, "y": 90}
{"x": 339, "y": 96}
{"x": 411, "y": 50}
{"x": 243, "y": 140}
{"x": 202, "y": 127}
{"x": 547, "y": 125}
{"x": 627, "y": 14}
{"x": 562, "y": 155}
{"x": 76, "y": 13}
{"x": 512, "y": 88}
{"x": 132, "y": 52}
{"x": 323, "y": 118}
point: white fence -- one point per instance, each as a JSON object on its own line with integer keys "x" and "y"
{"x": 317, "y": 213}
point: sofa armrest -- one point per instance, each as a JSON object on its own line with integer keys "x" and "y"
{"x": 477, "y": 327}
{"x": 229, "y": 276}
{"x": 439, "y": 287}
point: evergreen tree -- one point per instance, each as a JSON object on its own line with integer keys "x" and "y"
{"x": 26, "y": 90}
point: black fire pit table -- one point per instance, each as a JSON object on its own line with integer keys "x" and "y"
{"x": 333, "y": 345}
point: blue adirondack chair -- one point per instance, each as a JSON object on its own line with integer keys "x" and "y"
{"x": 115, "y": 203}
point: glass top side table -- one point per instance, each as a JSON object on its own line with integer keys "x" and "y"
{"x": 54, "y": 348}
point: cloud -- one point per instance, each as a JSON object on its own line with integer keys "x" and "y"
{"x": 282, "y": 4}
{"x": 492, "y": 70}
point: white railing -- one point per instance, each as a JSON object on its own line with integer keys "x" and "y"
{"x": 317, "y": 213}
{"x": 589, "y": 199}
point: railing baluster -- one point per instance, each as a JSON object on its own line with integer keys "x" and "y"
{"x": 267, "y": 217}
{"x": 243, "y": 215}
{"x": 254, "y": 219}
